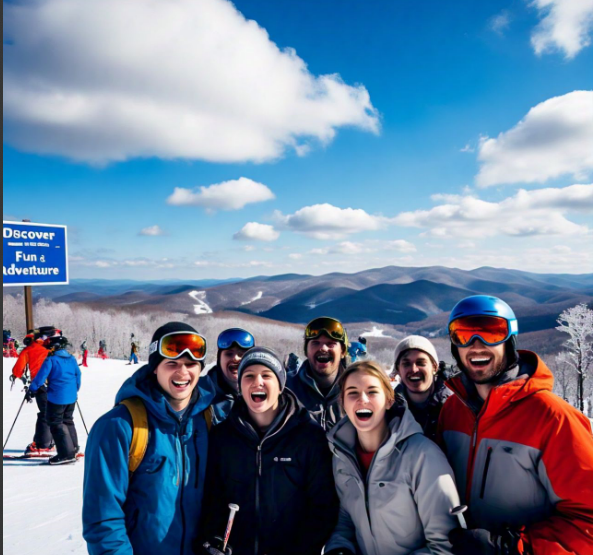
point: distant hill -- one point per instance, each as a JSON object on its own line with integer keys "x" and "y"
{"x": 414, "y": 299}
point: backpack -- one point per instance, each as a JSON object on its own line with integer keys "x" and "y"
{"x": 140, "y": 432}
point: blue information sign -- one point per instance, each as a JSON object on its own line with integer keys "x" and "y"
{"x": 34, "y": 254}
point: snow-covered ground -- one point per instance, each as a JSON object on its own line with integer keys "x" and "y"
{"x": 43, "y": 504}
{"x": 256, "y": 298}
{"x": 375, "y": 332}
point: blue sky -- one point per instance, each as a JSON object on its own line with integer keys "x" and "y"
{"x": 327, "y": 135}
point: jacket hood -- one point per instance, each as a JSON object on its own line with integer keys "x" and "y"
{"x": 62, "y": 353}
{"x": 402, "y": 425}
{"x": 532, "y": 377}
{"x": 143, "y": 384}
{"x": 221, "y": 387}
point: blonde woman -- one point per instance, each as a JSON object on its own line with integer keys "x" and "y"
{"x": 395, "y": 486}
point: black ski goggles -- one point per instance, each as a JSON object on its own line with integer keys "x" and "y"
{"x": 326, "y": 326}
{"x": 235, "y": 336}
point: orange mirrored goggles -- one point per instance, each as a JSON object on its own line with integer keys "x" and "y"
{"x": 328, "y": 326}
{"x": 491, "y": 330}
{"x": 175, "y": 345}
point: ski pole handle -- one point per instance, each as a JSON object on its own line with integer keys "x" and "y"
{"x": 458, "y": 512}
{"x": 234, "y": 510}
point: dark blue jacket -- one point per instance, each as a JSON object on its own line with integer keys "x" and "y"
{"x": 62, "y": 374}
{"x": 156, "y": 510}
{"x": 225, "y": 395}
{"x": 325, "y": 410}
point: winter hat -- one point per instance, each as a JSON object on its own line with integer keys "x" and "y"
{"x": 265, "y": 357}
{"x": 419, "y": 343}
{"x": 155, "y": 358}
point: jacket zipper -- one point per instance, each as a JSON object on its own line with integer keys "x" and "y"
{"x": 486, "y": 468}
{"x": 472, "y": 454}
{"x": 182, "y": 485}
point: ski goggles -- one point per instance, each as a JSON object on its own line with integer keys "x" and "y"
{"x": 176, "y": 344}
{"x": 490, "y": 330}
{"x": 237, "y": 336}
{"x": 328, "y": 326}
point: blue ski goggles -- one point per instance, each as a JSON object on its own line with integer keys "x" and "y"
{"x": 235, "y": 336}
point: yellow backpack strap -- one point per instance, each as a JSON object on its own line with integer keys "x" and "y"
{"x": 139, "y": 442}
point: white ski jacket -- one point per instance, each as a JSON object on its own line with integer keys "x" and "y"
{"x": 402, "y": 508}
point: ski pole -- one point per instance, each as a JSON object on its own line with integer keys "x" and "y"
{"x": 458, "y": 512}
{"x": 17, "y": 417}
{"x": 82, "y": 418}
{"x": 234, "y": 510}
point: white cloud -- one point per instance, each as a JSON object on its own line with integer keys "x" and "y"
{"x": 327, "y": 222}
{"x": 295, "y": 256}
{"x": 105, "y": 80}
{"x": 400, "y": 246}
{"x": 528, "y": 213}
{"x": 153, "y": 231}
{"x": 467, "y": 148}
{"x": 555, "y": 138}
{"x": 254, "y": 231}
{"x": 566, "y": 26}
{"x": 366, "y": 247}
{"x": 500, "y": 22}
{"x": 228, "y": 195}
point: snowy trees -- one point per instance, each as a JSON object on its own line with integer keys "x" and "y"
{"x": 577, "y": 322}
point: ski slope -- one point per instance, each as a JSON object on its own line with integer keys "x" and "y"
{"x": 43, "y": 504}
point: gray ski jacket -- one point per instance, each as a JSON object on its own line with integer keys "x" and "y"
{"x": 402, "y": 508}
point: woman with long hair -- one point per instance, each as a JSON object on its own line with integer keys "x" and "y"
{"x": 395, "y": 486}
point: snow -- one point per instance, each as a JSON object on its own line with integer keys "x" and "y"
{"x": 375, "y": 332}
{"x": 200, "y": 298}
{"x": 256, "y": 298}
{"x": 43, "y": 504}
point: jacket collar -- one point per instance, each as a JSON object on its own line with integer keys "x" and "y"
{"x": 402, "y": 425}
{"x": 527, "y": 378}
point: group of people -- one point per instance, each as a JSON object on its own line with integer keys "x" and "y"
{"x": 10, "y": 345}
{"x": 329, "y": 458}
{"x": 52, "y": 377}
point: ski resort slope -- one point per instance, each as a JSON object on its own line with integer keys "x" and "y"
{"x": 43, "y": 504}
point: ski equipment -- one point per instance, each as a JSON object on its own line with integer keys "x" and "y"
{"x": 17, "y": 417}
{"x": 236, "y": 336}
{"x": 327, "y": 326}
{"x": 483, "y": 317}
{"x": 176, "y": 344}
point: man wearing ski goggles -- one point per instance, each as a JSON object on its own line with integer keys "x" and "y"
{"x": 326, "y": 347}
{"x": 232, "y": 345}
{"x": 529, "y": 484}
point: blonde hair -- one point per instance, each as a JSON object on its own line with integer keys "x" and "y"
{"x": 371, "y": 368}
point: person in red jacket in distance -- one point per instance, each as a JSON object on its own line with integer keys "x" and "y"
{"x": 32, "y": 357}
{"x": 522, "y": 457}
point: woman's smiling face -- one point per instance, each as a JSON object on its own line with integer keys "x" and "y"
{"x": 365, "y": 401}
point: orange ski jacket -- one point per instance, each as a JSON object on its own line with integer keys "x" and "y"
{"x": 526, "y": 461}
{"x": 34, "y": 355}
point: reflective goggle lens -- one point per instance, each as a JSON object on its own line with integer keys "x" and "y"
{"x": 241, "y": 337}
{"x": 174, "y": 345}
{"x": 328, "y": 326}
{"x": 492, "y": 330}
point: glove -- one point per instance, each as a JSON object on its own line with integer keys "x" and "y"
{"x": 215, "y": 547}
{"x": 484, "y": 542}
{"x": 339, "y": 551}
{"x": 29, "y": 395}
{"x": 12, "y": 378}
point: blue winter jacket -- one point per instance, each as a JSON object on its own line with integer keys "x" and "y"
{"x": 156, "y": 510}
{"x": 225, "y": 396}
{"x": 62, "y": 374}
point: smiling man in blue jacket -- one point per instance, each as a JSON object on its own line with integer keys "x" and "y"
{"x": 154, "y": 509}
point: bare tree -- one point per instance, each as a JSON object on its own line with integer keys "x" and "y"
{"x": 577, "y": 322}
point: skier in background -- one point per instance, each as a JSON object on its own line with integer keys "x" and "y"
{"x": 85, "y": 354}
{"x": 32, "y": 358}
{"x": 102, "y": 353}
{"x": 62, "y": 374}
{"x": 133, "y": 353}
{"x": 358, "y": 349}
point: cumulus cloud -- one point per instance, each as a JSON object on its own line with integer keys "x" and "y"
{"x": 566, "y": 26}
{"x": 228, "y": 195}
{"x": 366, "y": 247}
{"x": 328, "y": 222}
{"x": 105, "y": 80}
{"x": 152, "y": 231}
{"x": 528, "y": 213}
{"x": 254, "y": 231}
{"x": 555, "y": 138}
